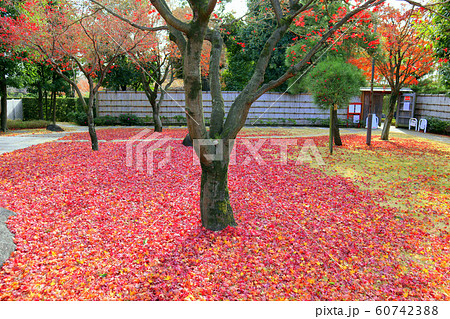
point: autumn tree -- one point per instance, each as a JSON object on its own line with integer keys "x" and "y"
{"x": 153, "y": 64}
{"x": 357, "y": 35}
{"x": 216, "y": 211}
{"x": 11, "y": 68}
{"x": 10, "y": 72}
{"x": 405, "y": 55}
{"x": 66, "y": 34}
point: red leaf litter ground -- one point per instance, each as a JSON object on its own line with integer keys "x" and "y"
{"x": 89, "y": 227}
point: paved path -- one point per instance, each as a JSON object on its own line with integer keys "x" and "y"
{"x": 12, "y": 143}
{"x": 17, "y": 142}
{"x": 429, "y": 136}
{"x": 7, "y": 245}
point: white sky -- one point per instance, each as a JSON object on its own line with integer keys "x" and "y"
{"x": 238, "y": 6}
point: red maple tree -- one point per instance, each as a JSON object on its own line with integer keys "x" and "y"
{"x": 78, "y": 37}
{"x": 405, "y": 54}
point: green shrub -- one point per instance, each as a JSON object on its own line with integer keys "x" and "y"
{"x": 438, "y": 126}
{"x": 64, "y": 106}
{"x": 147, "y": 120}
{"x": 19, "y": 124}
{"x": 78, "y": 117}
{"x": 341, "y": 122}
{"x": 324, "y": 122}
{"x": 179, "y": 118}
{"x": 129, "y": 120}
{"x": 164, "y": 120}
{"x": 106, "y": 120}
{"x": 292, "y": 121}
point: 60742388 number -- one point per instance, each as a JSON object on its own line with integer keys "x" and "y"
{"x": 407, "y": 310}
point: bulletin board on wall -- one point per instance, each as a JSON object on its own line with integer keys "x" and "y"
{"x": 354, "y": 113}
{"x": 405, "y": 109}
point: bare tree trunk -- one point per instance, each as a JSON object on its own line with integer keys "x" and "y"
{"x": 53, "y": 99}
{"x": 216, "y": 211}
{"x": 151, "y": 96}
{"x": 40, "y": 91}
{"x": 91, "y": 127}
{"x": 157, "y": 119}
{"x": 46, "y": 104}
{"x": 391, "y": 110}
{"x": 336, "y": 133}
{"x": 330, "y": 140}
{"x": 4, "y": 103}
{"x": 40, "y": 100}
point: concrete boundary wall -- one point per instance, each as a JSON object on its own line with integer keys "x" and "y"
{"x": 432, "y": 105}
{"x": 270, "y": 108}
{"x": 15, "y": 110}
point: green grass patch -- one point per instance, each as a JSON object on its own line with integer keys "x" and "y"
{"x": 415, "y": 180}
{"x": 20, "y": 125}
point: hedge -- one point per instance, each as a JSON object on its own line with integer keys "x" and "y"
{"x": 64, "y": 106}
{"x": 438, "y": 126}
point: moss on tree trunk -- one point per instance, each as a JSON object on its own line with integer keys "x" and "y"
{"x": 215, "y": 205}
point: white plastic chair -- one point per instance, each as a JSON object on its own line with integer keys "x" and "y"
{"x": 422, "y": 125}
{"x": 375, "y": 121}
{"x": 412, "y": 122}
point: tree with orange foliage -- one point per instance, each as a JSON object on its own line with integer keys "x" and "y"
{"x": 74, "y": 36}
{"x": 205, "y": 26}
{"x": 404, "y": 57}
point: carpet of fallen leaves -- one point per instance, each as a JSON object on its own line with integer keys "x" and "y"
{"x": 88, "y": 227}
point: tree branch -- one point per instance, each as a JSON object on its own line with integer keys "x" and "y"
{"x": 301, "y": 8}
{"x": 218, "y": 105}
{"x": 292, "y": 71}
{"x": 241, "y": 105}
{"x": 137, "y": 26}
{"x": 209, "y": 8}
{"x": 178, "y": 38}
{"x": 167, "y": 15}
{"x": 168, "y": 84}
{"x": 69, "y": 80}
{"x": 277, "y": 9}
